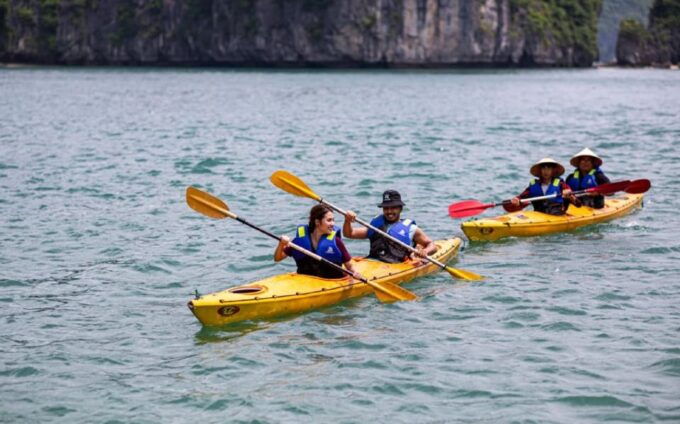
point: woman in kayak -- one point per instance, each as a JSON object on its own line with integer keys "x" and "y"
{"x": 322, "y": 237}
{"x": 547, "y": 182}
{"x": 587, "y": 175}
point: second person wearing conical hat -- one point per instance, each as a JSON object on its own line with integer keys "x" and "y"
{"x": 547, "y": 182}
{"x": 587, "y": 175}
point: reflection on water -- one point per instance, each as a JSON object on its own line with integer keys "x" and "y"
{"x": 230, "y": 332}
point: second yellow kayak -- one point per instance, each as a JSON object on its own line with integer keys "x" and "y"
{"x": 531, "y": 223}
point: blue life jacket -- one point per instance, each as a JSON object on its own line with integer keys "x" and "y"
{"x": 400, "y": 230}
{"x": 384, "y": 249}
{"x": 535, "y": 190}
{"x": 588, "y": 181}
{"x": 327, "y": 247}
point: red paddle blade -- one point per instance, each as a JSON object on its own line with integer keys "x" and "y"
{"x": 638, "y": 186}
{"x": 467, "y": 208}
{"x": 610, "y": 188}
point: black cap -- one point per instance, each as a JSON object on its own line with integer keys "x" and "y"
{"x": 391, "y": 198}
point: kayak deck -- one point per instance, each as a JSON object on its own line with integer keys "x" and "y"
{"x": 531, "y": 223}
{"x": 293, "y": 293}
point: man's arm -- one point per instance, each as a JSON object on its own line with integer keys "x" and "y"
{"x": 350, "y": 232}
{"x": 424, "y": 245}
{"x": 523, "y": 195}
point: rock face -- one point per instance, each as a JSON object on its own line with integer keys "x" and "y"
{"x": 301, "y": 32}
{"x": 613, "y": 12}
{"x": 657, "y": 46}
{"x": 634, "y": 46}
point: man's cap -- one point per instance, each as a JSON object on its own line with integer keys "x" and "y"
{"x": 390, "y": 199}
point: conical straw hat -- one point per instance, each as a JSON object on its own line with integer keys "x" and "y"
{"x": 597, "y": 161}
{"x": 536, "y": 168}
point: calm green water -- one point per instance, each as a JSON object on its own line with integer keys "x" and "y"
{"x": 99, "y": 253}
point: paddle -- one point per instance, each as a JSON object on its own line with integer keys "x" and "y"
{"x": 638, "y": 186}
{"x": 604, "y": 189}
{"x": 294, "y": 185}
{"x": 473, "y": 207}
{"x": 213, "y": 207}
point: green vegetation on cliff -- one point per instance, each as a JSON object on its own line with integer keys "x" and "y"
{"x": 47, "y": 26}
{"x": 570, "y": 23}
{"x": 659, "y": 44}
{"x": 664, "y": 24}
{"x": 665, "y": 15}
{"x": 36, "y": 23}
{"x": 298, "y": 32}
{"x": 613, "y": 12}
{"x": 4, "y": 12}
{"x": 634, "y": 31}
{"x": 126, "y": 25}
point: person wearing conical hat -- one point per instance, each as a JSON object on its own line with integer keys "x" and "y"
{"x": 587, "y": 175}
{"x": 547, "y": 182}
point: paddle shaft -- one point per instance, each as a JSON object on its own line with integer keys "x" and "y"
{"x": 481, "y": 207}
{"x": 300, "y": 249}
{"x": 461, "y": 209}
{"x": 550, "y": 196}
{"x": 390, "y": 292}
{"x": 274, "y": 236}
{"x": 531, "y": 199}
{"x": 292, "y": 184}
{"x": 382, "y": 233}
{"x": 537, "y": 198}
{"x": 601, "y": 189}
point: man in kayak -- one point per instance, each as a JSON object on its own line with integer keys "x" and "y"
{"x": 547, "y": 183}
{"x": 587, "y": 175}
{"x": 390, "y": 222}
{"x": 322, "y": 237}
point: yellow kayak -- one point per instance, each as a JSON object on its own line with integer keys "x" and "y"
{"x": 293, "y": 293}
{"x": 530, "y": 223}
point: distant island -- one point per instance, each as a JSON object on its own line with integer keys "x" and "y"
{"x": 608, "y": 25}
{"x": 302, "y": 33}
{"x": 658, "y": 44}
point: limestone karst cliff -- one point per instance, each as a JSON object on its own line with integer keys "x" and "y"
{"x": 657, "y": 45}
{"x": 301, "y": 32}
{"x": 613, "y": 12}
